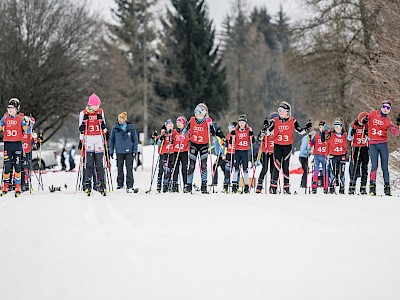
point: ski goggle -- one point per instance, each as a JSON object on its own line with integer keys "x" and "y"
{"x": 386, "y": 106}
{"x": 338, "y": 125}
{"x": 281, "y": 110}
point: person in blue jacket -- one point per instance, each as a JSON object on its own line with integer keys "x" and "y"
{"x": 124, "y": 142}
{"x": 303, "y": 157}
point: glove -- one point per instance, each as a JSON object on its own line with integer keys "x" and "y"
{"x": 99, "y": 117}
{"x": 251, "y": 133}
{"x": 85, "y": 117}
{"x": 102, "y": 125}
{"x": 154, "y": 134}
{"x": 308, "y": 125}
{"x": 80, "y": 145}
{"x": 398, "y": 119}
{"x": 353, "y": 131}
{"x": 26, "y": 119}
{"x": 112, "y": 155}
{"x": 209, "y": 120}
{"x": 233, "y": 132}
{"x": 364, "y": 120}
{"x": 162, "y": 137}
{"x": 266, "y": 123}
{"x": 82, "y": 128}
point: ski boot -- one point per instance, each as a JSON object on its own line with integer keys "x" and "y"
{"x": 101, "y": 187}
{"x": 120, "y": 187}
{"x": 314, "y": 187}
{"x": 352, "y": 189}
{"x": 17, "y": 189}
{"x": 187, "y": 188}
{"x": 372, "y": 188}
{"x": 87, "y": 188}
{"x": 325, "y": 191}
{"x": 203, "y": 188}
{"x": 234, "y": 188}
{"x": 175, "y": 187}
{"x": 272, "y": 189}
{"x": 259, "y": 188}
{"x": 341, "y": 190}
{"x": 363, "y": 190}
{"x": 5, "y": 188}
{"x": 332, "y": 190}
{"x": 246, "y": 189}
{"x": 165, "y": 188}
{"x": 159, "y": 187}
{"x": 286, "y": 190}
{"x": 387, "y": 189}
{"x": 225, "y": 188}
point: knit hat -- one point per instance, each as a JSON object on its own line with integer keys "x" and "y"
{"x": 322, "y": 123}
{"x": 123, "y": 115}
{"x": 242, "y": 118}
{"x": 94, "y": 100}
{"x": 232, "y": 125}
{"x": 181, "y": 119}
{"x": 167, "y": 121}
{"x": 13, "y": 103}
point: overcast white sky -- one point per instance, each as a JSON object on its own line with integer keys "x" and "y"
{"x": 218, "y": 8}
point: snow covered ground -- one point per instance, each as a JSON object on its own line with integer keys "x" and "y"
{"x": 66, "y": 245}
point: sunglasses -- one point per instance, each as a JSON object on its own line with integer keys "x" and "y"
{"x": 197, "y": 112}
{"x": 385, "y": 106}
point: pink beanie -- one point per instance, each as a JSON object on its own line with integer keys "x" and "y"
{"x": 94, "y": 100}
{"x": 182, "y": 119}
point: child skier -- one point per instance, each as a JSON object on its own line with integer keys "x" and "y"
{"x": 358, "y": 136}
{"x": 267, "y": 150}
{"x": 243, "y": 135}
{"x": 181, "y": 149}
{"x": 230, "y": 151}
{"x": 165, "y": 142}
{"x": 200, "y": 127}
{"x": 13, "y": 126}
{"x": 320, "y": 153}
{"x": 337, "y": 149}
{"x": 92, "y": 127}
{"x": 27, "y": 141}
{"x": 283, "y": 126}
{"x": 378, "y": 126}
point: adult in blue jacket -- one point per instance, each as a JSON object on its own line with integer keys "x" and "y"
{"x": 124, "y": 142}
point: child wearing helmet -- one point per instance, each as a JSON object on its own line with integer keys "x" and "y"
{"x": 13, "y": 125}
{"x": 379, "y": 124}
{"x": 93, "y": 128}
{"x": 358, "y": 136}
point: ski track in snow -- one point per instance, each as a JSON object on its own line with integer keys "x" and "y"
{"x": 65, "y": 245}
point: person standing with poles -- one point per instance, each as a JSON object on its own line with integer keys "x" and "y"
{"x": 283, "y": 127}
{"x": 358, "y": 136}
{"x": 92, "y": 128}
{"x": 379, "y": 124}
{"x": 124, "y": 142}
{"x": 320, "y": 151}
{"x": 13, "y": 125}
{"x": 181, "y": 150}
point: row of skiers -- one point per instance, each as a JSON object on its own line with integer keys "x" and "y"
{"x": 19, "y": 140}
{"x": 368, "y": 134}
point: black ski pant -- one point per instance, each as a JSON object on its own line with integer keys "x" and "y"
{"x": 359, "y": 160}
{"x": 94, "y": 160}
{"x": 281, "y": 161}
{"x": 168, "y": 164}
{"x": 241, "y": 157}
{"x": 267, "y": 160}
{"x": 12, "y": 159}
{"x": 181, "y": 160}
{"x": 337, "y": 166}
{"x": 127, "y": 159}
{"x": 304, "y": 166}
{"x": 218, "y": 163}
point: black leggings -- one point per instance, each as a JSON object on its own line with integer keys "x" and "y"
{"x": 281, "y": 160}
{"x": 196, "y": 149}
{"x": 181, "y": 159}
{"x": 241, "y": 158}
{"x": 267, "y": 160}
{"x": 359, "y": 159}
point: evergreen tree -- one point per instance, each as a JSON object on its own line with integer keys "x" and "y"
{"x": 193, "y": 71}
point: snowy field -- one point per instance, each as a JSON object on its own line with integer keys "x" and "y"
{"x": 66, "y": 245}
